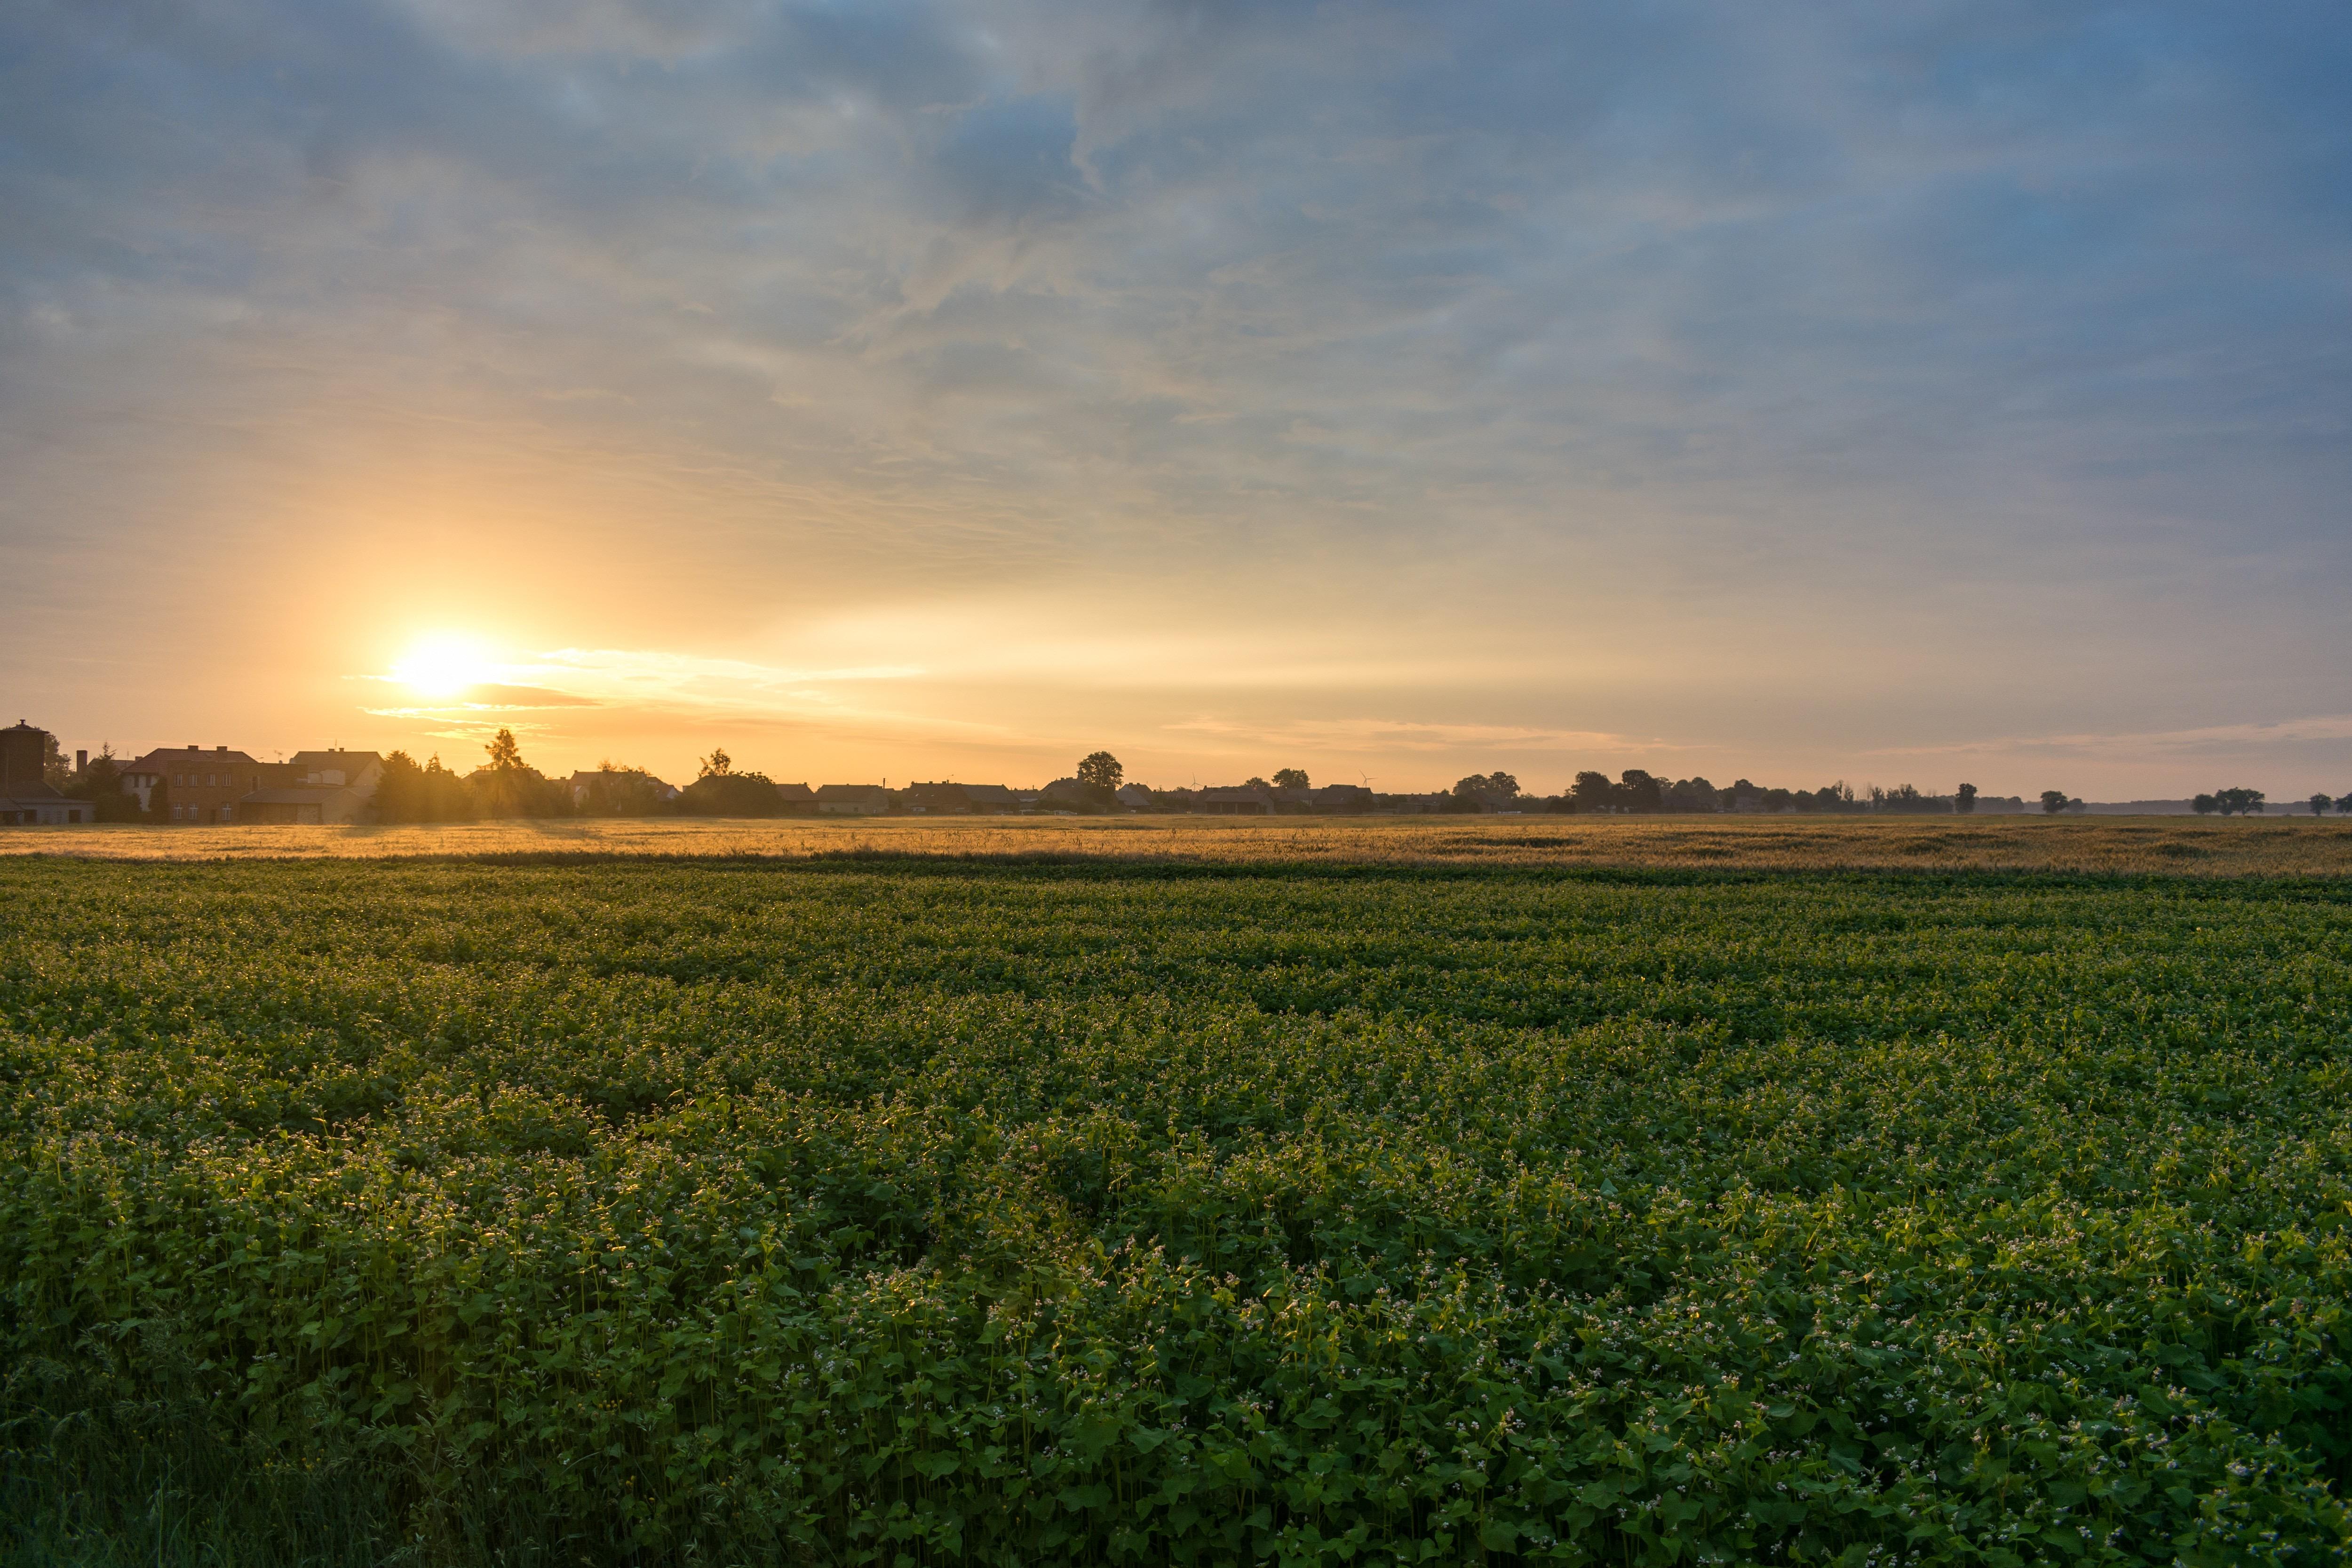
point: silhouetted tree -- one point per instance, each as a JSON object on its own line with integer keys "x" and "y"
{"x": 159, "y": 800}
{"x": 1689, "y": 795}
{"x": 1485, "y": 792}
{"x": 1291, "y": 778}
{"x": 1101, "y": 771}
{"x": 1592, "y": 792}
{"x": 510, "y": 787}
{"x": 2237, "y": 802}
{"x": 719, "y": 790}
{"x": 101, "y": 783}
{"x": 2054, "y": 800}
{"x": 2204, "y": 805}
{"x": 1964, "y": 800}
{"x": 1636, "y": 791}
{"x": 2343, "y": 806}
{"x": 2319, "y": 805}
{"x": 617, "y": 789}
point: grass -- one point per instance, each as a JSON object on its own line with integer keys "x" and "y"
{"x": 1422, "y": 1203}
{"x": 2173, "y": 846}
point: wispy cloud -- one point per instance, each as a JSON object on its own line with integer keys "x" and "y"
{"x": 2213, "y": 740}
{"x": 1685, "y": 368}
{"x": 1358, "y": 735}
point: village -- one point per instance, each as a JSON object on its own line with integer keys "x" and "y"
{"x": 213, "y": 785}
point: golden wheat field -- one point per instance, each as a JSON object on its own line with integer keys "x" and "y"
{"x": 2178, "y": 846}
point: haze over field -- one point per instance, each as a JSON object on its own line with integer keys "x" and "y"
{"x": 1906, "y": 392}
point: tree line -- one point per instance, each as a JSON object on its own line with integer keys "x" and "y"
{"x": 506, "y": 785}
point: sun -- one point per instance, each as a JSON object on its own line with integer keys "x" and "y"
{"x": 443, "y": 666}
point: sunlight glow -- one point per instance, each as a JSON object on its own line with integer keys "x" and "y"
{"x": 443, "y": 666}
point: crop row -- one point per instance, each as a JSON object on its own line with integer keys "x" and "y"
{"x": 933, "y": 1213}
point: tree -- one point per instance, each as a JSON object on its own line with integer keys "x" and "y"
{"x": 1592, "y": 792}
{"x": 1100, "y": 771}
{"x": 1964, "y": 800}
{"x": 617, "y": 789}
{"x": 510, "y": 787}
{"x": 720, "y": 791}
{"x": 2343, "y": 806}
{"x": 101, "y": 783}
{"x": 2054, "y": 801}
{"x": 2319, "y": 805}
{"x": 1287, "y": 778}
{"x": 1690, "y": 795}
{"x": 1637, "y": 791}
{"x": 159, "y": 799}
{"x": 2204, "y": 805}
{"x": 2237, "y": 802}
{"x": 717, "y": 765}
{"x": 399, "y": 790}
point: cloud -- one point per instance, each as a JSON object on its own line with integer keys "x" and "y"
{"x": 2211, "y": 740}
{"x": 1361, "y": 735}
{"x": 1979, "y": 340}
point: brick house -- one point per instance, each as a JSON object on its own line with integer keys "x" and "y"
{"x": 203, "y": 786}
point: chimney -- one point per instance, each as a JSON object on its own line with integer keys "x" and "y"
{"x": 221, "y": 749}
{"x": 81, "y": 761}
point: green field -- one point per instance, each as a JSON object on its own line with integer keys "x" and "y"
{"x": 914, "y": 1212}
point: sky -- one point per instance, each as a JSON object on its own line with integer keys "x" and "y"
{"x": 1893, "y": 392}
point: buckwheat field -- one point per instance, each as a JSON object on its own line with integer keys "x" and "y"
{"x": 914, "y": 1210}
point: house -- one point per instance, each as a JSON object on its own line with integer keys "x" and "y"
{"x": 853, "y": 800}
{"x": 798, "y": 798}
{"x": 1135, "y": 796}
{"x": 1241, "y": 801}
{"x": 988, "y": 798}
{"x": 619, "y": 790}
{"x": 1065, "y": 794}
{"x": 937, "y": 799}
{"x": 332, "y": 785}
{"x": 200, "y": 785}
{"x": 1338, "y": 799}
{"x": 27, "y": 797}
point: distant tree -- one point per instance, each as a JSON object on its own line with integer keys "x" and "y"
{"x": 1485, "y": 792}
{"x": 1691, "y": 795}
{"x": 1906, "y": 799}
{"x": 446, "y": 796}
{"x": 717, "y": 765}
{"x": 399, "y": 790}
{"x": 1291, "y": 778}
{"x": 1964, "y": 800}
{"x": 1101, "y": 771}
{"x": 1592, "y": 792}
{"x": 617, "y": 789}
{"x": 2237, "y": 802}
{"x": 1637, "y": 791}
{"x": 2320, "y": 803}
{"x": 57, "y": 768}
{"x": 2054, "y": 800}
{"x": 1780, "y": 800}
{"x": 1253, "y": 782}
{"x": 101, "y": 783}
{"x": 159, "y": 799}
{"x": 406, "y": 792}
{"x": 731, "y": 794}
{"x": 2343, "y": 806}
{"x": 508, "y": 786}
{"x": 2205, "y": 805}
